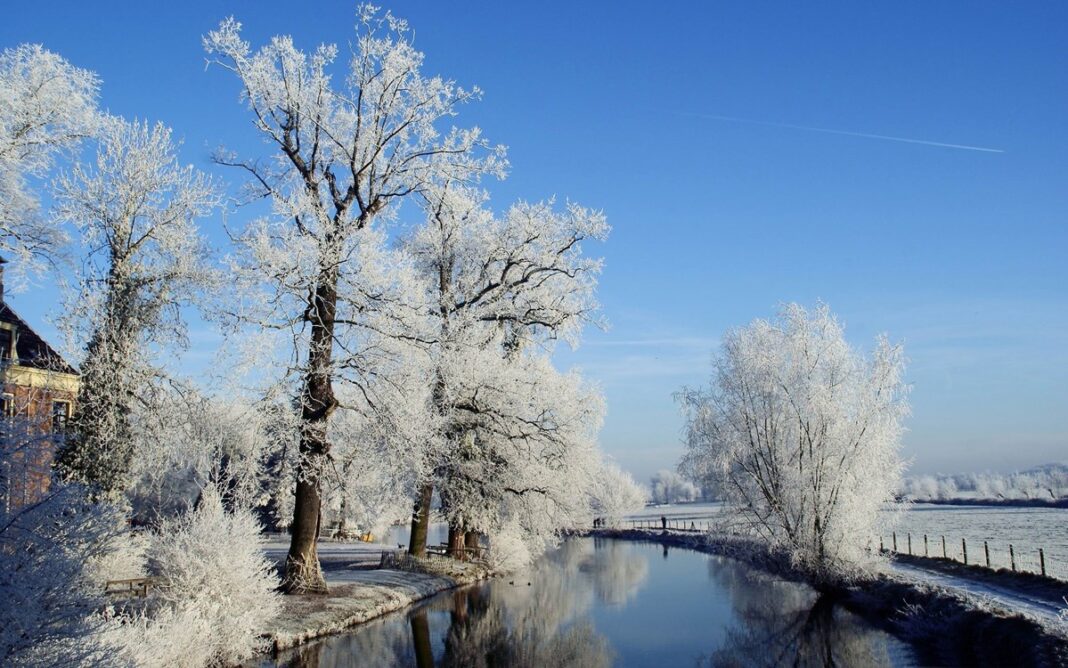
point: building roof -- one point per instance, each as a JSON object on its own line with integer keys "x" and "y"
{"x": 31, "y": 349}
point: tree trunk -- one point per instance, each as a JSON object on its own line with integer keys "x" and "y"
{"x": 303, "y": 573}
{"x": 471, "y": 543}
{"x": 421, "y": 522}
{"x": 456, "y": 542}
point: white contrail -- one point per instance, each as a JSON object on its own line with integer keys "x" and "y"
{"x": 842, "y": 132}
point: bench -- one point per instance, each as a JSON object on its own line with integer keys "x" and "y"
{"x": 132, "y": 586}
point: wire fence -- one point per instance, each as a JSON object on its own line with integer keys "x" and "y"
{"x": 992, "y": 555}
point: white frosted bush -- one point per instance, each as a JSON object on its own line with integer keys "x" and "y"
{"x": 48, "y": 604}
{"x": 123, "y": 559}
{"x": 215, "y": 594}
{"x": 167, "y": 637}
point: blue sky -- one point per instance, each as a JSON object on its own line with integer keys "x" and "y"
{"x": 960, "y": 254}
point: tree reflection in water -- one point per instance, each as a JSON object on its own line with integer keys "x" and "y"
{"x": 785, "y": 623}
{"x": 734, "y": 615}
{"x": 480, "y": 636}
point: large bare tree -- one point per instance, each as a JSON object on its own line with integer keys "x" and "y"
{"x": 345, "y": 152}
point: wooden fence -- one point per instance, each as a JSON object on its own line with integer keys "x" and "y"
{"x": 675, "y": 524}
{"x": 1027, "y": 561}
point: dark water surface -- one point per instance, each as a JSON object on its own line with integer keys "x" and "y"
{"x": 601, "y": 602}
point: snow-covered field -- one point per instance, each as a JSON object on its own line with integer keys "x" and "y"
{"x": 678, "y": 510}
{"x": 1026, "y": 529}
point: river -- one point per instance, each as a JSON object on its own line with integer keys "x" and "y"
{"x": 602, "y": 602}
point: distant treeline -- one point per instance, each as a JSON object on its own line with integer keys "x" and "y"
{"x": 1042, "y": 486}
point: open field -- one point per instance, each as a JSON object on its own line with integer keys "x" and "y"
{"x": 1026, "y": 529}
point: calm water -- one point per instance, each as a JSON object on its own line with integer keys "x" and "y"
{"x": 600, "y": 602}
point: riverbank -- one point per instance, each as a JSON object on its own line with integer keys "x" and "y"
{"x": 945, "y": 626}
{"x": 995, "y": 503}
{"x": 360, "y": 591}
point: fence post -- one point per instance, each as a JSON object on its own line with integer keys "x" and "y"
{"x": 944, "y": 555}
{"x": 1012, "y": 558}
{"x": 881, "y": 545}
{"x": 910, "y": 543}
{"x": 925, "y": 545}
{"x": 987, "y": 551}
{"x": 1042, "y": 560}
{"x": 895, "y": 541}
{"x": 964, "y": 548}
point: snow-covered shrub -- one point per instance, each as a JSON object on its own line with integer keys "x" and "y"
{"x": 162, "y": 637}
{"x": 123, "y": 559}
{"x": 215, "y": 593}
{"x": 48, "y": 601}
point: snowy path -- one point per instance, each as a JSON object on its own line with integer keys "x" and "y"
{"x": 1005, "y": 597}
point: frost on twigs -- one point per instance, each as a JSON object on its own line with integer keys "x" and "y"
{"x": 136, "y": 208}
{"x": 803, "y": 433}
{"x": 47, "y": 106}
{"x": 49, "y": 615}
{"x": 349, "y": 142}
{"x": 214, "y": 592}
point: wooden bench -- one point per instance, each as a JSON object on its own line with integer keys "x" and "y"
{"x": 132, "y": 586}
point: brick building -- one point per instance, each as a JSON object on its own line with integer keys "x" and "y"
{"x": 37, "y": 396}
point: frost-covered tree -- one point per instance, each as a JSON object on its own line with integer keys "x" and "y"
{"x": 498, "y": 292}
{"x": 47, "y": 106}
{"x": 670, "y": 487}
{"x": 525, "y": 455}
{"x": 614, "y": 493}
{"x": 346, "y": 150}
{"x": 368, "y": 481}
{"x": 136, "y": 208}
{"x": 198, "y": 444}
{"x": 805, "y": 432}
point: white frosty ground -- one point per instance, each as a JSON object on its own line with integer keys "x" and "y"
{"x": 359, "y": 591}
{"x": 1012, "y": 600}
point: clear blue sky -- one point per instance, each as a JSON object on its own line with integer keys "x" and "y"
{"x": 961, "y": 254}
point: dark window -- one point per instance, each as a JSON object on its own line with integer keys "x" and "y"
{"x": 60, "y": 415}
{"x": 5, "y": 344}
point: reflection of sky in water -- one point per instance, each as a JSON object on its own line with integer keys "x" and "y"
{"x": 437, "y": 534}
{"x": 597, "y": 602}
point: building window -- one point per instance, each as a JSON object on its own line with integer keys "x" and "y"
{"x": 60, "y": 415}
{"x": 7, "y": 404}
{"x": 6, "y": 339}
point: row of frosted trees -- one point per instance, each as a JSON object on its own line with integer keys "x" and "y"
{"x": 369, "y": 365}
